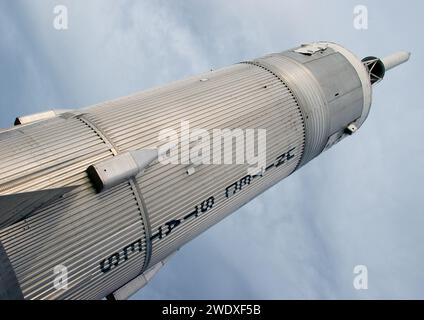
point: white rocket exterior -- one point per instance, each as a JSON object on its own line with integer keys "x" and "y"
{"x": 112, "y": 241}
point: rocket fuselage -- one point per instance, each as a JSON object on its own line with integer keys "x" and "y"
{"x": 307, "y": 99}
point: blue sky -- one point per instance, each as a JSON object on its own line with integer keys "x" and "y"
{"x": 361, "y": 203}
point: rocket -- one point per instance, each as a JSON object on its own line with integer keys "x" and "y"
{"x": 94, "y": 201}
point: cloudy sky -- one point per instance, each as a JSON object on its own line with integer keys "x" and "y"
{"x": 361, "y": 203}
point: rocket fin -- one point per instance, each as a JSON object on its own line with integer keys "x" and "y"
{"x": 129, "y": 289}
{"x": 19, "y": 206}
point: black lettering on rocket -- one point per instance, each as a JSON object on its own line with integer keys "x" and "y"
{"x": 131, "y": 248}
{"x": 286, "y": 156}
{"x": 170, "y": 226}
{"x": 166, "y": 229}
{"x": 107, "y": 264}
{"x": 238, "y": 186}
{"x": 247, "y": 180}
{"x": 121, "y": 256}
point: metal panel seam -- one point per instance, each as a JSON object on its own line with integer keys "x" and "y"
{"x": 145, "y": 220}
{"x": 134, "y": 186}
{"x": 317, "y": 122}
{"x": 99, "y": 132}
{"x": 257, "y": 64}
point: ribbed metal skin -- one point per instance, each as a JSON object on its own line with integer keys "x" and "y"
{"x": 305, "y": 100}
{"x": 135, "y": 121}
{"x": 80, "y": 229}
{"x": 164, "y": 207}
{"x": 241, "y": 96}
{"x": 47, "y": 154}
{"x": 310, "y": 97}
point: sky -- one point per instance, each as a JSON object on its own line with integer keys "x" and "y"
{"x": 360, "y": 203}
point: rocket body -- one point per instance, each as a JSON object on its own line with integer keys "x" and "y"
{"x": 109, "y": 241}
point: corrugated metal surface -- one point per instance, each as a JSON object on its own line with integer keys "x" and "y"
{"x": 242, "y": 96}
{"x": 134, "y": 122}
{"x": 288, "y": 94}
{"x": 47, "y": 154}
{"x": 77, "y": 231}
{"x": 310, "y": 97}
{"x": 83, "y": 228}
{"x": 164, "y": 207}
